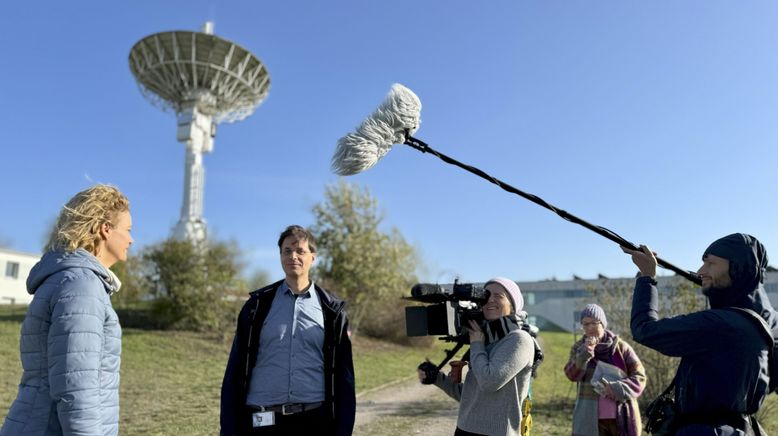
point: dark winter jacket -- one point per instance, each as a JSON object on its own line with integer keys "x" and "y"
{"x": 338, "y": 366}
{"x": 724, "y": 369}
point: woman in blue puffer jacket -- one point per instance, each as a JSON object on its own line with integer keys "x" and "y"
{"x": 71, "y": 339}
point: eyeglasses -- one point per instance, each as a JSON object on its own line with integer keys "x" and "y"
{"x": 288, "y": 252}
{"x": 590, "y": 324}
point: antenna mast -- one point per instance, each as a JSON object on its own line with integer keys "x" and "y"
{"x": 205, "y": 80}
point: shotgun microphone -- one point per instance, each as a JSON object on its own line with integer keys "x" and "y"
{"x": 397, "y": 119}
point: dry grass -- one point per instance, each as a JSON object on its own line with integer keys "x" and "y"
{"x": 171, "y": 380}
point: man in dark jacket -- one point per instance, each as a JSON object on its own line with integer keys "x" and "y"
{"x": 290, "y": 370}
{"x": 724, "y": 374}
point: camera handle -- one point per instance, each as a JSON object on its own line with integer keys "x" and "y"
{"x": 431, "y": 370}
{"x": 450, "y": 354}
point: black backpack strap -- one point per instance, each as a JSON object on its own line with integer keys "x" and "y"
{"x": 766, "y": 333}
{"x": 747, "y": 423}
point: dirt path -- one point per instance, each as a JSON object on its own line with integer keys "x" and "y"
{"x": 408, "y": 408}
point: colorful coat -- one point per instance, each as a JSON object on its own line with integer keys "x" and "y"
{"x": 580, "y": 368}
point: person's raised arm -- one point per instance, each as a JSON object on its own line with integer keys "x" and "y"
{"x": 580, "y": 355}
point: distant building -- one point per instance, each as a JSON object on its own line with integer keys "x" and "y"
{"x": 555, "y": 304}
{"x": 15, "y": 266}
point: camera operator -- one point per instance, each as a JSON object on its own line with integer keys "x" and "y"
{"x": 501, "y": 358}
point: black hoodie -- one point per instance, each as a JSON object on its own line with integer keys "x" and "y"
{"x": 724, "y": 360}
{"x": 747, "y": 266}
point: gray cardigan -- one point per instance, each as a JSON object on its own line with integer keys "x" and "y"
{"x": 70, "y": 349}
{"x": 495, "y": 387}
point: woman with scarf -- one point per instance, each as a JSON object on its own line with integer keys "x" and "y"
{"x": 500, "y": 366}
{"x": 607, "y": 405}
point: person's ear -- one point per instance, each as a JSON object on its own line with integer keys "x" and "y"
{"x": 105, "y": 230}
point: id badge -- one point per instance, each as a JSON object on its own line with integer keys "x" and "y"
{"x": 263, "y": 419}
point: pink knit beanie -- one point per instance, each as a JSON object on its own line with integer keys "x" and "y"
{"x": 514, "y": 293}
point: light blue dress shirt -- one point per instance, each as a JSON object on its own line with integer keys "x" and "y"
{"x": 290, "y": 360}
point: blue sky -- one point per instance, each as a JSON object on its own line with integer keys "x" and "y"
{"x": 657, "y": 120}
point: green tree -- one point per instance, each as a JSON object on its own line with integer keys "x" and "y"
{"x": 134, "y": 287}
{"x": 369, "y": 268}
{"x": 258, "y": 279}
{"x": 191, "y": 285}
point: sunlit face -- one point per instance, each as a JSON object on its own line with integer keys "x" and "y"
{"x": 714, "y": 272}
{"x": 116, "y": 240}
{"x": 296, "y": 257}
{"x": 592, "y": 327}
{"x": 498, "y": 305}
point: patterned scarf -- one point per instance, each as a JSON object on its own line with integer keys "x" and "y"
{"x": 604, "y": 349}
{"x": 500, "y": 327}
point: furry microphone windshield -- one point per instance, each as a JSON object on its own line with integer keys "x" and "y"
{"x": 395, "y": 120}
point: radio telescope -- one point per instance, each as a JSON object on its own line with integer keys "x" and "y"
{"x": 205, "y": 80}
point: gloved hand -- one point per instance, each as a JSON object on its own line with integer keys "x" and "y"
{"x": 428, "y": 372}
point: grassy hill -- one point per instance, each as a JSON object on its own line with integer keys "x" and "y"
{"x": 171, "y": 380}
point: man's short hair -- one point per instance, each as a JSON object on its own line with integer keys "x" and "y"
{"x": 300, "y": 233}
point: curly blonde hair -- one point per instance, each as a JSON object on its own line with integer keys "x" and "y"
{"x": 79, "y": 222}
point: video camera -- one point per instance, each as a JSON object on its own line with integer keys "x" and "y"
{"x": 446, "y": 312}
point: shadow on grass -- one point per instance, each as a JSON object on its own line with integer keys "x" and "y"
{"x": 13, "y": 313}
{"x": 550, "y": 418}
{"x": 139, "y": 318}
{"x": 554, "y": 407}
{"x": 428, "y": 408}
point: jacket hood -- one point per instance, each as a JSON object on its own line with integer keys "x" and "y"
{"x": 59, "y": 260}
{"x": 747, "y": 266}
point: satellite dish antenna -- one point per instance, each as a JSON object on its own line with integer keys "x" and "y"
{"x": 205, "y": 80}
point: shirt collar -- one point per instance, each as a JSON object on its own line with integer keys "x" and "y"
{"x": 287, "y": 290}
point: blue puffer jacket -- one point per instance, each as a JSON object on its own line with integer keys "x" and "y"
{"x": 70, "y": 350}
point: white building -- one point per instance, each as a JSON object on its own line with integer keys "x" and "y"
{"x": 15, "y": 266}
{"x": 556, "y": 304}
